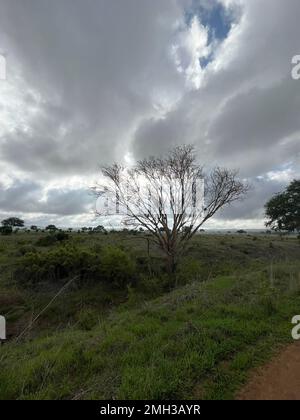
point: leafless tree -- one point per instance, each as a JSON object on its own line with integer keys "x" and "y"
{"x": 170, "y": 197}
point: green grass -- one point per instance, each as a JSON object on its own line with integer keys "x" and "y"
{"x": 198, "y": 341}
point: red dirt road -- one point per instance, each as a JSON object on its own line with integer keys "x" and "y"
{"x": 278, "y": 380}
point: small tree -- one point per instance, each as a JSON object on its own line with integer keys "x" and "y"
{"x": 100, "y": 229}
{"x": 51, "y": 228}
{"x": 160, "y": 195}
{"x": 283, "y": 210}
{"x": 13, "y": 222}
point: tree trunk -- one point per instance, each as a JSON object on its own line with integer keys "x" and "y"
{"x": 171, "y": 263}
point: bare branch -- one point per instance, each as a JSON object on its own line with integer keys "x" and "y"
{"x": 165, "y": 196}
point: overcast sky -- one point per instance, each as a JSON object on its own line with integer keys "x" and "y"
{"x": 93, "y": 81}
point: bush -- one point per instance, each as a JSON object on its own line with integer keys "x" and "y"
{"x": 152, "y": 286}
{"x": 61, "y": 236}
{"x": 114, "y": 266}
{"x": 58, "y": 264}
{"x": 46, "y": 241}
{"x": 52, "y": 239}
{"x": 6, "y": 230}
{"x": 25, "y": 249}
{"x": 117, "y": 267}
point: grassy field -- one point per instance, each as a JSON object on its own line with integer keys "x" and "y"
{"x": 146, "y": 336}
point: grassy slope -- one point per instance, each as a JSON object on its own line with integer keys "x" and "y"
{"x": 198, "y": 341}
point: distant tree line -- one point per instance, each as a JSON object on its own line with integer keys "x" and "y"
{"x": 282, "y": 212}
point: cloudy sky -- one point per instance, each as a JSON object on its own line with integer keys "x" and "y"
{"x": 93, "y": 81}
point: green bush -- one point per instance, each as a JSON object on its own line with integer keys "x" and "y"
{"x": 25, "y": 249}
{"x": 61, "y": 236}
{"x": 57, "y": 264}
{"x": 113, "y": 266}
{"x": 52, "y": 238}
{"x": 46, "y": 240}
{"x": 117, "y": 267}
{"x": 152, "y": 286}
{"x": 6, "y": 230}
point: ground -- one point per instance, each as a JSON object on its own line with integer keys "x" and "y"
{"x": 200, "y": 335}
{"x": 277, "y": 380}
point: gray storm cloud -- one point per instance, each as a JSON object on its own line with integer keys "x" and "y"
{"x": 30, "y": 197}
{"x": 94, "y": 81}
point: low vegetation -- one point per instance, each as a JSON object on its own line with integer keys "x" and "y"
{"x": 124, "y": 329}
{"x": 112, "y": 265}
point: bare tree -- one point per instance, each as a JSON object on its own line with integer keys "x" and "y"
{"x": 170, "y": 197}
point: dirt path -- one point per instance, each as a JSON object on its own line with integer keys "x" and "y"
{"x": 278, "y": 380}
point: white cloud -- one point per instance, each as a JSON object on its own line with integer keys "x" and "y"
{"x": 190, "y": 46}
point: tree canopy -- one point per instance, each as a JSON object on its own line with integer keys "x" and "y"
{"x": 51, "y": 227}
{"x": 13, "y": 222}
{"x": 283, "y": 210}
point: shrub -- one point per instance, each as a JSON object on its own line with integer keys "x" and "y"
{"x": 46, "y": 241}
{"x": 52, "y": 239}
{"x": 152, "y": 286}
{"x": 58, "y": 264}
{"x": 117, "y": 267}
{"x": 6, "y": 230}
{"x": 25, "y": 249}
{"x": 113, "y": 266}
{"x": 61, "y": 236}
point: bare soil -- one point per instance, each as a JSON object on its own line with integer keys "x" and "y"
{"x": 278, "y": 380}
